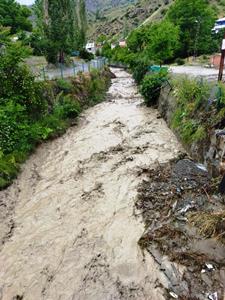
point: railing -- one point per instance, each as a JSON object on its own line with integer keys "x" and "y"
{"x": 64, "y": 71}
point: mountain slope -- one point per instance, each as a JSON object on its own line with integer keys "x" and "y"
{"x": 122, "y": 18}
{"x": 94, "y": 5}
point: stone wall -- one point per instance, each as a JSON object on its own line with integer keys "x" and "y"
{"x": 210, "y": 152}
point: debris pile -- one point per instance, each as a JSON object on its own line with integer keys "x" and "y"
{"x": 168, "y": 199}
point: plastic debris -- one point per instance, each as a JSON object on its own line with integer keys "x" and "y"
{"x": 186, "y": 208}
{"x": 203, "y": 271}
{"x": 209, "y": 267}
{"x": 220, "y": 132}
{"x": 172, "y": 294}
{"x": 202, "y": 167}
{"x": 213, "y": 296}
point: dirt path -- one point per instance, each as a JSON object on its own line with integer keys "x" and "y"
{"x": 74, "y": 235}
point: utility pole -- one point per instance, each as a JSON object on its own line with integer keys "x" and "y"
{"x": 220, "y": 76}
{"x": 198, "y": 22}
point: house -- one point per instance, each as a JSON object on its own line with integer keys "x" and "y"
{"x": 219, "y": 25}
{"x": 91, "y": 48}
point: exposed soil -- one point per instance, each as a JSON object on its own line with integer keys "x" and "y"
{"x": 69, "y": 229}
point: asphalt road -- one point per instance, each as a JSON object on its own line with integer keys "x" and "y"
{"x": 210, "y": 74}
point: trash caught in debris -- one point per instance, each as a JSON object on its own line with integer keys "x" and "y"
{"x": 213, "y": 296}
{"x": 209, "y": 267}
{"x": 172, "y": 294}
{"x": 170, "y": 198}
{"x": 186, "y": 208}
{"x": 202, "y": 167}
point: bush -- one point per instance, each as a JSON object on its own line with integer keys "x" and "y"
{"x": 192, "y": 98}
{"x": 86, "y": 55}
{"x": 139, "y": 70}
{"x": 17, "y": 84}
{"x": 67, "y": 108}
{"x": 180, "y": 61}
{"x": 96, "y": 87}
{"x": 64, "y": 85}
{"x": 151, "y": 86}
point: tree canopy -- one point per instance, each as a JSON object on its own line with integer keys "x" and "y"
{"x": 195, "y": 19}
{"x": 15, "y": 16}
{"x": 62, "y": 27}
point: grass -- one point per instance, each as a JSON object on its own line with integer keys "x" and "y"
{"x": 209, "y": 224}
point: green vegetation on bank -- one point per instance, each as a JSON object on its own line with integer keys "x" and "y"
{"x": 189, "y": 118}
{"x": 32, "y": 112}
{"x": 200, "y": 106}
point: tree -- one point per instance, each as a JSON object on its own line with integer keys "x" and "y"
{"x": 82, "y": 17}
{"x": 163, "y": 41}
{"x": 15, "y": 16}
{"x": 138, "y": 39}
{"x": 62, "y": 25}
{"x": 195, "y": 19}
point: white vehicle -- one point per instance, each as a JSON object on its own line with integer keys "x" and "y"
{"x": 220, "y": 24}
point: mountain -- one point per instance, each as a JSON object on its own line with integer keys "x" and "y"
{"x": 116, "y": 21}
{"x": 99, "y": 5}
{"x": 116, "y": 17}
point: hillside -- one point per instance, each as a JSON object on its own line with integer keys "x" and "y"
{"x": 126, "y": 15}
{"x": 95, "y": 5}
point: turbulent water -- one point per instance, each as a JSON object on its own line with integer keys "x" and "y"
{"x": 73, "y": 233}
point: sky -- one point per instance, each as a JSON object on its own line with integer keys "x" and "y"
{"x": 26, "y": 2}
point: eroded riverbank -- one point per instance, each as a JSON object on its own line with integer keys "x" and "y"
{"x": 73, "y": 234}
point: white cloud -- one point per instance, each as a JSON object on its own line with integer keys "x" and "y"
{"x": 26, "y": 2}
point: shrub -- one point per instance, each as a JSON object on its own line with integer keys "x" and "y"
{"x": 192, "y": 98}
{"x": 67, "y": 108}
{"x": 96, "y": 87}
{"x": 8, "y": 169}
{"x": 64, "y": 85}
{"x": 86, "y": 55}
{"x": 180, "y": 61}
{"x": 139, "y": 70}
{"x": 151, "y": 86}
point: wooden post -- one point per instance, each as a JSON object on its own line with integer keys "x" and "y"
{"x": 61, "y": 70}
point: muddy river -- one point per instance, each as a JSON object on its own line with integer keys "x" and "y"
{"x": 73, "y": 233}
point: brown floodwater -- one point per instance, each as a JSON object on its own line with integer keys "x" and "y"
{"x": 74, "y": 234}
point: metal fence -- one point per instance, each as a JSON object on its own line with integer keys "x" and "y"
{"x": 64, "y": 71}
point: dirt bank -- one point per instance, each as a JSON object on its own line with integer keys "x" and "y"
{"x": 73, "y": 233}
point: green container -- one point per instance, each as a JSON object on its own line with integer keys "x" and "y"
{"x": 156, "y": 68}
